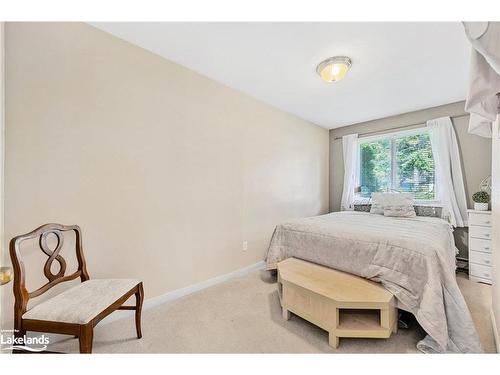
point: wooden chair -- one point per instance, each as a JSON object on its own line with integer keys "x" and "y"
{"x": 77, "y": 310}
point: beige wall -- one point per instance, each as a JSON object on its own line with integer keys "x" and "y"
{"x": 166, "y": 171}
{"x": 496, "y": 230}
{"x": 475, "y": 152}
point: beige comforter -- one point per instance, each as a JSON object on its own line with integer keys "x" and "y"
{"x": 414, "y": 258}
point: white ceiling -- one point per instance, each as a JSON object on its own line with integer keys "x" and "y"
{"x": 397, "y": 67}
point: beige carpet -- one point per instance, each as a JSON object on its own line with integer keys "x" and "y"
{"x": 243, "y": 316}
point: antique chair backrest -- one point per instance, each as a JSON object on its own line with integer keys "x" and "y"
{"x": 21, "y": 294}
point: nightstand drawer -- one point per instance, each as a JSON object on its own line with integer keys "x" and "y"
{"x": 480, "y": 258}
{"x": 480, "y": 219}
{"x": 477, "y": 244}
{"x": 483, "y": 272}
{"x": 480, "y": 232}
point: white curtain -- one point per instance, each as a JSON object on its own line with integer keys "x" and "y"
{"x": 350, "y": 150}
{"x": 484, "y": 78}
{"x": 448, "y": 170}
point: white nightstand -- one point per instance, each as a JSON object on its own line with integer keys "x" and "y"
{"x": 480, "y": 246}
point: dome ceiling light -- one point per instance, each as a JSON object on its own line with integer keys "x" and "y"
{"x": 334, "y": 68}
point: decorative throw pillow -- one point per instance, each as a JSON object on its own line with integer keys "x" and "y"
{"x": 377, "y": 203}
{"x": 401, "y": 210}
{"x": 401, "y": 204}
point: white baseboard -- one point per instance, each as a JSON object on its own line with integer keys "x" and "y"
{"x": 178, "y": 293}
{"x": 495, "y": 331}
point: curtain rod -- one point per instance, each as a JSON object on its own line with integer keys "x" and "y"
{"x": 383, "y": 131}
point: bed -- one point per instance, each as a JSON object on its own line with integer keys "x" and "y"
{"x": 413, "y": 258}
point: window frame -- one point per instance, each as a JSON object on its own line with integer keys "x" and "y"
{"x": 392, "y": 135}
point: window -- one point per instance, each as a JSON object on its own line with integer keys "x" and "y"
{"x": 397, "y": 162}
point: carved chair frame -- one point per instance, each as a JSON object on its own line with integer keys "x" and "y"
{"x": 84, "y": 332}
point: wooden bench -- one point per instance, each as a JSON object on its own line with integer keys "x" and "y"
{"x": 340, "y": 303}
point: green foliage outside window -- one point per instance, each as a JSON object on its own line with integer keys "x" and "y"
{"x": 375, "y": 167}
{"x": 412, "y": 169}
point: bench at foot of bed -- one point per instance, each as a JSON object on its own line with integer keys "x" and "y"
{"x": 340, "y": 303}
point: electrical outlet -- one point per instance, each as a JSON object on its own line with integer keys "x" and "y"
{"x": 244, "y": 247}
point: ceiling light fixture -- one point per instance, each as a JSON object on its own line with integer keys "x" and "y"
{"x": 334, "y": 68}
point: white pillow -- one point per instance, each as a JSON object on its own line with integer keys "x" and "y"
{"x": 399, "y": 203}
{"x": 401, "y": 210}
{"x": 378, "y": 200}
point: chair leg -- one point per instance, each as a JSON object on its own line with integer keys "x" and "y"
{"x": 19, "y": 333}
{"x": 139, "y": 298}
{"x": 85, "y": 338}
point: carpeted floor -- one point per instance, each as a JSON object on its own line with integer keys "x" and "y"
{"x": 243, "y": 315}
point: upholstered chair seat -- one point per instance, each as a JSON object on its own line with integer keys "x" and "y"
{"x": 82, "y": 303}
